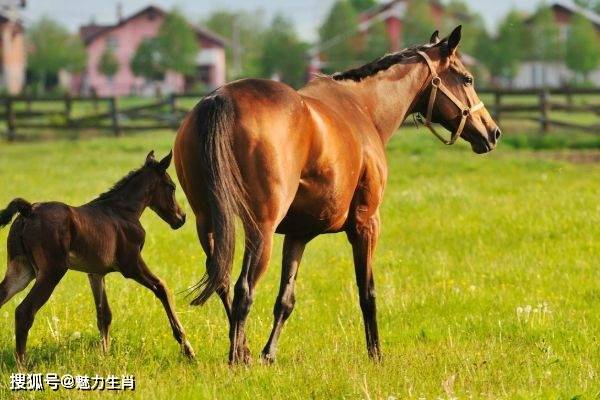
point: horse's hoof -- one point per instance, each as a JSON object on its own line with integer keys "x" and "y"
{"x": 267, "y": 359}
{"x": 187, "y": 350}
{"x": 241, "y": 356}
{"x": 20, "y": 361}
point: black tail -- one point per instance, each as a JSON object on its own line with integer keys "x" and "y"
{"x": 20, "y": 206}
{"x": 225, "y": 190}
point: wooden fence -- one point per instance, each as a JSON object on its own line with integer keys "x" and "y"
{"x": 105, "y": 113}
{"x": 109, "y": 114}
{"x": 545, "y": 102}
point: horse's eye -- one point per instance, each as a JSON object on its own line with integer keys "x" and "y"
{"x": 468, "y": 80}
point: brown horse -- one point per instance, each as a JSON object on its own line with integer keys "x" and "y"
{"x": 308, "y": 162}
{"x": 103, "y": 236}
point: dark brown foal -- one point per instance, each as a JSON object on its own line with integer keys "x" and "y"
{"x": 99, "y": 237}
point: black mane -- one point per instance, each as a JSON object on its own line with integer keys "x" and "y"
{"x": 380, "y": 64}
{"x": 118, "y": 186}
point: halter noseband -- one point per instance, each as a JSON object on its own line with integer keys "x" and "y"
{"x": 465, "y": 111}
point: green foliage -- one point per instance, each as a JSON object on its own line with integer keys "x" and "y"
{"x": 178, "y": 44}
{"x": 363, "y": 5}
{"x": 244, "y": 30}
{"x": 52, "y": 48}
{"x": 503, "y": 54}
{"x": 109, "y": 64}
{"x": 545, "y": 38}
{"x": 283, "y": 53}
{"x": 593, "y": 5}
{"x": 147, "y": 60}
{"x": 337, "y": 37}
{"x": 377, "y": 42}
{"x": 418, "y": 23}
{"x": 583, "y": 46}
{"x": 473, "y": 25}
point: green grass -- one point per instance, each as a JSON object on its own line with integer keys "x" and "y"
{"x": 466, "y": 240}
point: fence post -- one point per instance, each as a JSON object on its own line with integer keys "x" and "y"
{"x": 68, "y": 109}
{"x": 114, "y": 114}
{"x": 544, "y": 110}
{"x": 10, "y": 120}
{"x": 497, "y": 105}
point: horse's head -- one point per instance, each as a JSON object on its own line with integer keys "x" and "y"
{"x": 162, "y": 194}
{"x": 449, "y": 97}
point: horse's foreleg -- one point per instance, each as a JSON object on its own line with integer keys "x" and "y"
{"x": 103, "y": 313}
{"x": 293, "y": 248}
{"x": 256, "y": 261}
{"x": 363, "y": 238}
{"x": 142, "y": 274}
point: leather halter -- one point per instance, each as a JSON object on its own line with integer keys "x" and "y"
{"x": 465, "y": 111}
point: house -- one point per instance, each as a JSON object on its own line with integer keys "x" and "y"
{"x": 533, "y": 73}
{"x": 12, "y": 51}
{"x": 392, "y": 13}
{"x": 123, "y": 38}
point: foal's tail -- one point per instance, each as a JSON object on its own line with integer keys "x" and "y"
{"x": 215, "y": 119}
{"x": 18, "y": 205}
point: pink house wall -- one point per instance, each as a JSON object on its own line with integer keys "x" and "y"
{"x": 127, "y": 38}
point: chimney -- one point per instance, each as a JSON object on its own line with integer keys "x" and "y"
{"x": 119, "y": 11}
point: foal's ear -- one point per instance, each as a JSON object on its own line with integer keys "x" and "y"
{"x": 165, "y": 162}
{"x": 150, "y": 157}
{"x": 435, "y": 38}
{"x": 454, "y": 39}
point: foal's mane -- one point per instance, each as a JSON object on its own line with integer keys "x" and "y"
{"x": 381, "y": 63}
{"x": 121, "y": 183}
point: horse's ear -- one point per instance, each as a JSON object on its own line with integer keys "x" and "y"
{"x": 150, "y": 157}
{"x": 165, "y": 162}
{"x": 454, "y": 39}
{"x": 435, "y": 38}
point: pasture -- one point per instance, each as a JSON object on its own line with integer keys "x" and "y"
{"x": 487, "y": 277}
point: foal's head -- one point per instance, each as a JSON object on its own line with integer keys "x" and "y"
{"x": 162, "y": 191}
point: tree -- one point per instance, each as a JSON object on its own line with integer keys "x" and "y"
{"x": 503, "y": 54}
{"x": 593, "y": 5}
{"x": 582, "y": 50}
{"x": 418, "y": 23}
{"x": 545, "y": 42}
{"x": 363, "y": 5}
{"x": 283, "y": 53}
{"x": 473, "y": 25}
{"x": 178, "y": 44}
{"x": 147, "y": 61}
{"x": 245, "y": 31}
{"x": 377, "y": 42}
{"x": 337, "y": 36}
{"x": 109, "y": 65}
{"x": 52, "y": 48}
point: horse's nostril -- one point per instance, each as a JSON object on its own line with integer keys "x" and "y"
{"x": 498, "y": 133}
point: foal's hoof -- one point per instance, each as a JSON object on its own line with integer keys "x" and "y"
{"x": 241, "y": 356}
{"x": 20, "y": 361}
{"x": 187, "y": 350}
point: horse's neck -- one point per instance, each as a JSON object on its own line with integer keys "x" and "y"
{"x": 130, "y": 202}
{"x": 392, "y": 95}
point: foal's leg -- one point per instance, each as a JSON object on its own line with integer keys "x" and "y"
{"x": 293, "y": 248}
{"x": 363, "y": 238}
{"x": 43, "y": 287}
{"x": 18, "y": 275}
{"x": 141, "y": 274}
{"x": 207, "y": 241}
{"x": 256, "y": 261}
{"x": 103, "y": 314}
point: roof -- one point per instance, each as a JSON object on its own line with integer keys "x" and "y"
{"x": 90, "y": 32}
{"x": 573, "y": 7}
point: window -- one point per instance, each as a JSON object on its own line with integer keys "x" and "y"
{"x": 112, "y": 42}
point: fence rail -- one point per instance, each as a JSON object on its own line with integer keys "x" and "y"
{"x": 110, "y": 114}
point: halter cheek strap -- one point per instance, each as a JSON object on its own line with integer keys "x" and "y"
{"x": 465, "y": 111}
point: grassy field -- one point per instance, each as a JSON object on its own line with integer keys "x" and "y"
{"x": 487, "y": 276}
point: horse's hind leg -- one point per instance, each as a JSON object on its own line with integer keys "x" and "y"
{"x": 103, "y": 313}
{"x": 18, "y": 275}
{"x": 256, "y": 261}
{"x": 293, "y": 248}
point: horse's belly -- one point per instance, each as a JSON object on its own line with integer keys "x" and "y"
{"x": 314, "y": 211}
